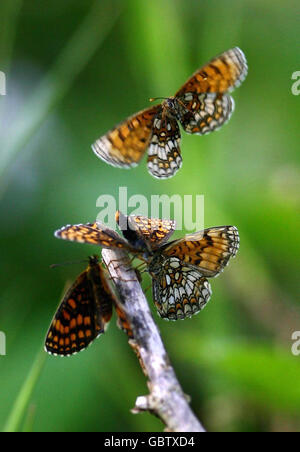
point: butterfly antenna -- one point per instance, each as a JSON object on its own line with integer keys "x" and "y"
{"x": 62, "y": 264}
{"x": 152, "y": 99}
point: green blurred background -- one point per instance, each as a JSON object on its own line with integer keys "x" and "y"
{"x": 74, "y": 69}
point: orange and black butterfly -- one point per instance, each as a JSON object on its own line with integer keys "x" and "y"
{"x": 179, "y": 269}
{"x": 201, "y": 105}
{"x": 84, "y": 313}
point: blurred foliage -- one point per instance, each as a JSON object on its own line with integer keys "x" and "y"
{"x": 74, "y": 69}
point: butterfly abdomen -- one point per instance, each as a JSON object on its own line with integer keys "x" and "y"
{"x": 103, "y": 297}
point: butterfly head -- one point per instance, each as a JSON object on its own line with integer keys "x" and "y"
{"x": 93, "y": 260}
{"x": 169, "y": 103}
{"x": 128, "y": 226}
{"x": 172, "y": 108}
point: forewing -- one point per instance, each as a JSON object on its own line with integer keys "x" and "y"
{"x": 164, "y": 158}
{"x": 94, "y": 234}
{"x": 124, "y": 145}
{"x": 78, "y": 320}
{"x": 222, "y": 74}
{"x": 209, "y": 250}
{"x": 179, "y": 291}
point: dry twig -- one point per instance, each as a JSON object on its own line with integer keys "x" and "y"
{"x": 166, "y": 398}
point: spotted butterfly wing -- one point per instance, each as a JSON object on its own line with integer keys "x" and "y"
{"x": 209, "y": 251}
{"x": 144, "y": 232}
{"x": 83, "y": 314}
{"x": 94, "y": 234}
{"x": 125, "y": 145}
{"x": 164, "y": 157}
{"x": 202, "y": 103}
{"x": 179, "y": 291}
{"x": 222, "y": 74}
{"x": 204, "y": 113}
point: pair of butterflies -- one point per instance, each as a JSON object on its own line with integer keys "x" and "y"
{"x": 201, "y": 105}
{"x": 179, "y": 271}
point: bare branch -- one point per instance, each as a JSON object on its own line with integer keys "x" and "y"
{"x": 166, "y": 399}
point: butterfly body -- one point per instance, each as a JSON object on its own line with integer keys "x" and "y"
{"x": 132, "y": 235}
{"x": 102, "y": 305}
{"x": 144, "y": 233}
{"x": 203, "y": 104}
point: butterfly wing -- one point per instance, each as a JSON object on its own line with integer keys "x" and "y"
{"x": 94, "y": 234}
{"x": 164, "y": 158}
{"x": 141, "y": 231}
{"x": 124, "y": 145}
{"x": 79, "y": 319}
{"x": 202, "y": 103}
{"x": 203, "y": 113}
{"x": 179, "y": 291}
{"x": 222, "y": 74}
{"x": 209, "y": 251}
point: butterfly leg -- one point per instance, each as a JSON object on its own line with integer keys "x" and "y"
{"x": 119, "y": 261}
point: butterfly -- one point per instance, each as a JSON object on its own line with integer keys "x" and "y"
{"x": 179, "y": 269}
{"x": 84, "y": 313}
{"x": 201, "y": 105}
